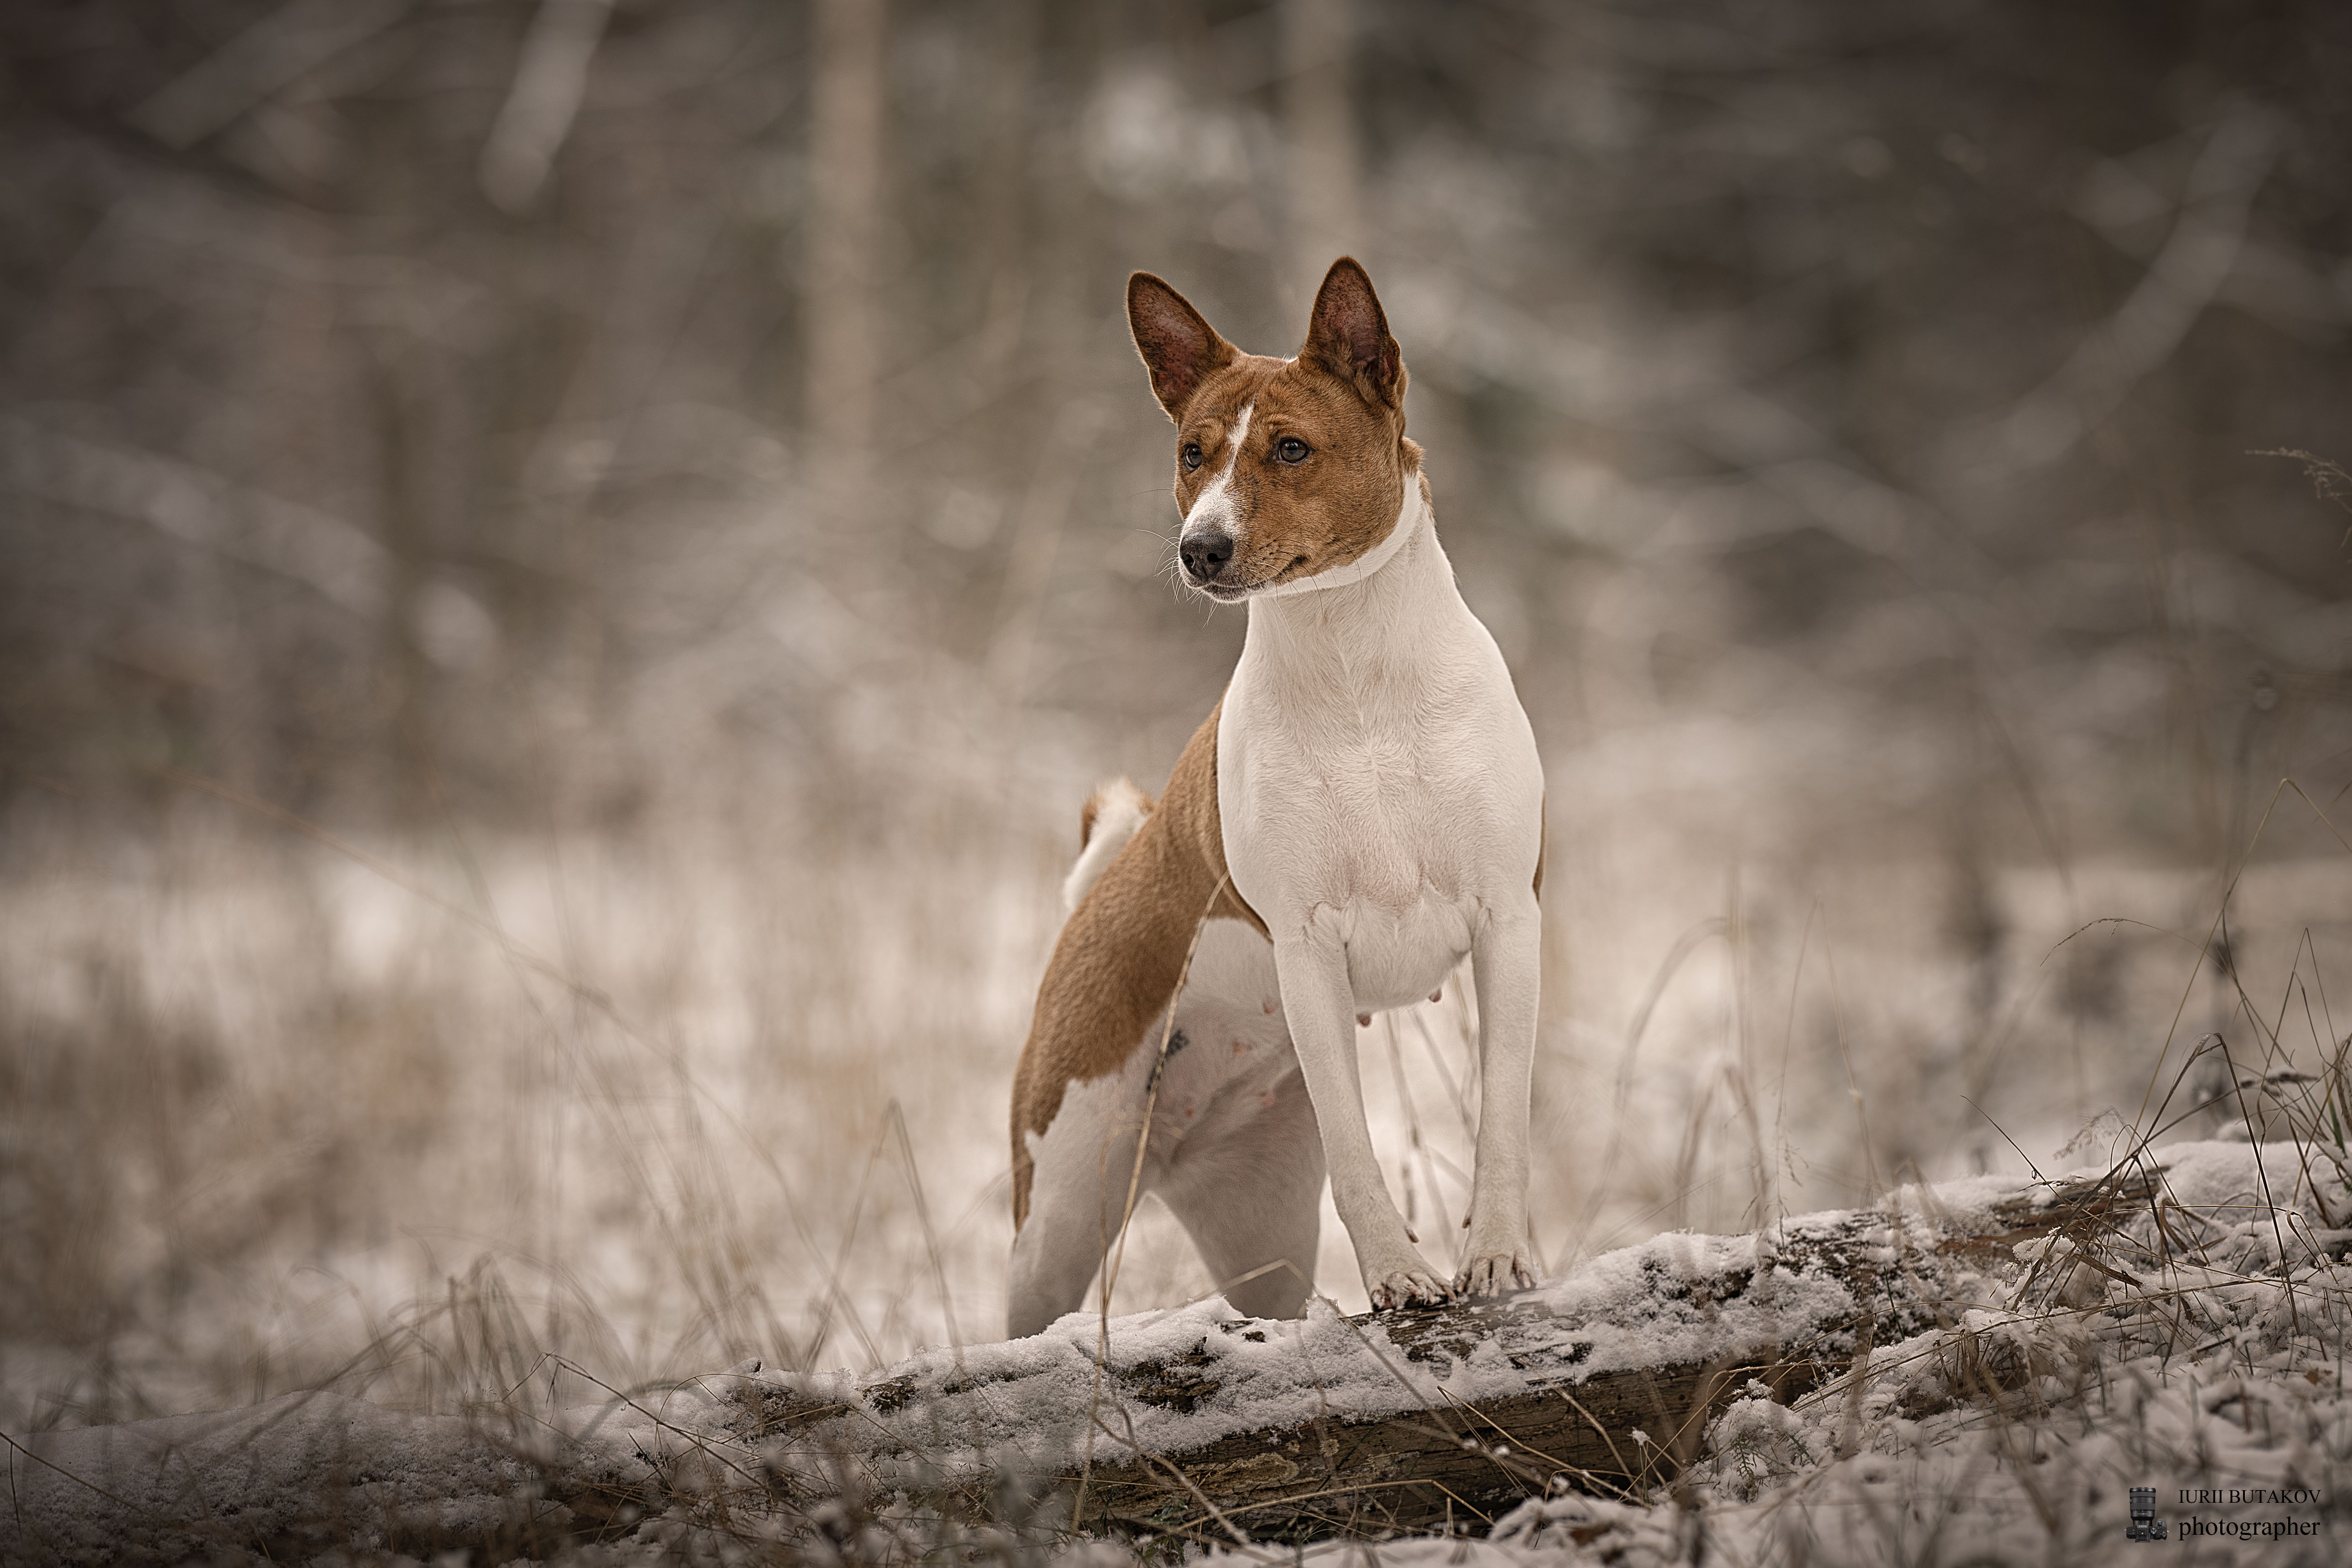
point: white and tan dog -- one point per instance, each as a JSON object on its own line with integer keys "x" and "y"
{"x": 1370, "y": 798}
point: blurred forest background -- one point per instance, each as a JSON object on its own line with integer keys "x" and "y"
{"x": 565, "y": 566}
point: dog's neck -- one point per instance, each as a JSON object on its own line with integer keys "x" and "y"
{"x": 1365, "y": 616}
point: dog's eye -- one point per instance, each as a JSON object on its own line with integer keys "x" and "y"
{"x": 1291, "y": 450}
{"x": 1192, "y": 454}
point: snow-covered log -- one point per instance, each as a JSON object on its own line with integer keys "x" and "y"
{"x": 1191, "y": 1421}
{"x": 1197, "y": 1422}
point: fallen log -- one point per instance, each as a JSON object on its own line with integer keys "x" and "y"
{"x": 1192, "y": 1423}
{"x": 1200, "y": 1423}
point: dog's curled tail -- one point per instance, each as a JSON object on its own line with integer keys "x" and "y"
{"x": 1111, "y": 816}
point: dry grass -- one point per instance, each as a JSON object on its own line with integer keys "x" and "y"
{"x": 486, "y": 1125}
{"x": 265, "y": 1107}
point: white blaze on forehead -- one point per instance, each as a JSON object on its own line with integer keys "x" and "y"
{"x": 1214, "y": 504}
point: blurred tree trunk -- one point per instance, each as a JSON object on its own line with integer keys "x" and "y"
{"x": 393, "y": 374}
{"x": 1319, "y": 122}
{"x": 1004, "y": 214}
{"x": 842, "y": 304}
{"x": 404, "y": 676}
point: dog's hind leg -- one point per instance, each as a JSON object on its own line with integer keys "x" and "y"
{"x": 1077, "y": 1197}
{"x": 1251, "y": 1202}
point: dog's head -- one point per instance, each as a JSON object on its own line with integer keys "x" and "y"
{"x": 1286, "y": 469}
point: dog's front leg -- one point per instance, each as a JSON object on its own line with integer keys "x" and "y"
{"x": 1506, "y": 957}
{"x": 1320, "y": 1005}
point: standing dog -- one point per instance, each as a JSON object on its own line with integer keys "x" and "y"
{"x": 1364, "y": 808}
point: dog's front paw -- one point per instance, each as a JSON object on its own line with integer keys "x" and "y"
{"x": 1409, "y": 1289}
{"x": 1495, "y": 1274}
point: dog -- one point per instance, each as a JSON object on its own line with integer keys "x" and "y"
{"x": 1362, "y": 809}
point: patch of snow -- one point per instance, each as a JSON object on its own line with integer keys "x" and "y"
{"x": 2200, "y": 1352}
{"x": 190, "y": 1486}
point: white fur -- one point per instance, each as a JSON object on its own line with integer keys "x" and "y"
{"x": 1382, "y": 801}
{"x": 1120, "y": 810}
{"x": 1213, "y": 508}
{"x": 1232, "y": 1150}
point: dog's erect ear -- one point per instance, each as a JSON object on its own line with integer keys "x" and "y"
{"x": 1348, "y": 336}
{"x": 1178, "y": 345}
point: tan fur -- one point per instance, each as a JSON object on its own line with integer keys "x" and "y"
{"x": 1117, "y": 962}
{"x": 1087, "y": 812}
{"x": 1312, "y": 516}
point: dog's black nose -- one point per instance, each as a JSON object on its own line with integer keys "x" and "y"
{"x": 1204, "y": 555}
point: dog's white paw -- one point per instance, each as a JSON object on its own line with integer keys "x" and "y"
{"x": 1409, "y": 1289}
{"x": 1495, "y": 1274}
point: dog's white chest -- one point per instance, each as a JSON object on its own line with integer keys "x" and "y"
{"x": 1376, "y": 777}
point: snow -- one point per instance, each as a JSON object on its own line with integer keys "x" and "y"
{"x": 1039, "y": 1403}
{"x": 1636, "y": 1307}
{"x": 1027, "y": 1401}
{"x": 180, "y": 1485}
{"x": 2202, "y": 1355}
